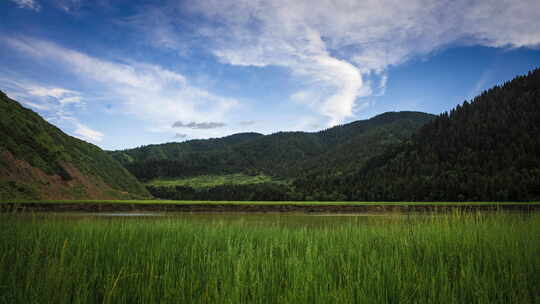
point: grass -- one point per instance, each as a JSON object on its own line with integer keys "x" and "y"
{"x": 261, "y": 202}
{"x": 207, "y": 181}
{"x": 450, "y": 258}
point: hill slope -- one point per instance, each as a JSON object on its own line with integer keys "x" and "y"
{"x": 283, "y": 154}
{"x": 484, "y": 150}
{"x": 39, "y": 161}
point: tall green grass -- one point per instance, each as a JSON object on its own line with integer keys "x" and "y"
{"x": 206, "y": 181}
{"x": 450, "y": 258}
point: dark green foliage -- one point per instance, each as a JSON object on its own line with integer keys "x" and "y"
{"x": 29, "y": 137}
{"x": 12, "y": 189}
{"x": 484, "y": 150}
{"x": 216, "y": 180}
{"x": 283, "y": 154}
{"x": 232, "y": 187}
{"x": 247, "y": 192}
{"x": 334, "y": 151}
{"x": 352, "y": 149}
{"x": 179, "y": 151}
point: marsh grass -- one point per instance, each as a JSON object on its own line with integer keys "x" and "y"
{"x": 444, "y": 258}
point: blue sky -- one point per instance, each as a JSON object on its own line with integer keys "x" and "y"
{"x": 126, "y": 73}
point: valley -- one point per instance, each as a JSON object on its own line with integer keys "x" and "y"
{"x": 291, "y": 152}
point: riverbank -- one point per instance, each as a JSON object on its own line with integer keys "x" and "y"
{"x": 280, "y": 207}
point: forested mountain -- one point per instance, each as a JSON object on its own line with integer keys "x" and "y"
{"x": 487, "y": 149}
{"x": 362, "y": 140}
{"x": 39, "y": 161}
{"x": 176, "y": 151}
{"x": 283, "y": 154}
{"x": 484, "y": 150}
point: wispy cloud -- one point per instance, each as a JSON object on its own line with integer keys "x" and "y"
{"x": 29, "y": 4}
{"x": 334, "y": 45}
{"x": 86, "y": 133}
{"x": 149, "y": 92}
{"x": 52, "y": 92}
{"x": 157, "y": 29}
{"x": 56, "y": 104}
{"x": 180, "y": 136}
{"x": 480, "y": 83}
{"x": 337, "y": 53}
{"x": 62, "y": 96}
{"x": 199, "y": 125}
{"x": 36, "y": 106}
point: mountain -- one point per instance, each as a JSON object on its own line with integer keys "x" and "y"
{"x": 484, "y": 150}
{"x": 39, "y": 161}
{"x": 283, "y": 154}
{"x": 487, "y": 149}
{"x": 351, "y": 145}
{"x": 170, "y": 151}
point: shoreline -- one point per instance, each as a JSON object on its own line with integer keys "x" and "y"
{"x": 261, "y": 208}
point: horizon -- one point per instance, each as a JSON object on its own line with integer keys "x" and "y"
{"x": 137, "y": 73}
{"x": 269, "y": 134}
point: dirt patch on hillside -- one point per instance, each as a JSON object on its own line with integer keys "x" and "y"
{"x": 20, "y": 174}
{"x": 120, "y": 207}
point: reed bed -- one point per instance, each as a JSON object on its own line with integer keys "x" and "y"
{"x": 443, "y": 258}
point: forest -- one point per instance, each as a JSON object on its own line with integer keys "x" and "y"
{"x": 486, "y": 149}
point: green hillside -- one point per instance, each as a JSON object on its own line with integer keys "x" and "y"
{"x": 208, "y": 181}
{"x": 283, "y": 154}
{"x": 487, "y": 149}
{"x": 484, "y": 150}
{"x": 38, "y": 160}
{"x": 183, "y": 150}
{"x": 174, "y": 170}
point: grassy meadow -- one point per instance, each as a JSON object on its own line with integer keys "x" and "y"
{"x": 205, "y": 181}
{"x": 189, "y": 258}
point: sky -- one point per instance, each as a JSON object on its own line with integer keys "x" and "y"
{"x": 126, "y": 73}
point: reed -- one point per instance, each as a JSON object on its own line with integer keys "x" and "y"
{"x": 444, "y": 258}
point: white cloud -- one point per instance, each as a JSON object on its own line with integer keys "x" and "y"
{"x": 29, "y": 4}
{"x": 334, "y": 44}
{"x": 52, "y": 92}
{"x": 71, "y": 99}
{"x": 86, "y": 133}
{"x": 338, "y": 50}
{"x": 149, "y": 92}
{"x": 55, "y": 104}
{"x": 60, "y": 95}
{"x": 43, "y": 97}
{"x": 156, "y": 27}
{"x": 36, "y": 105}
